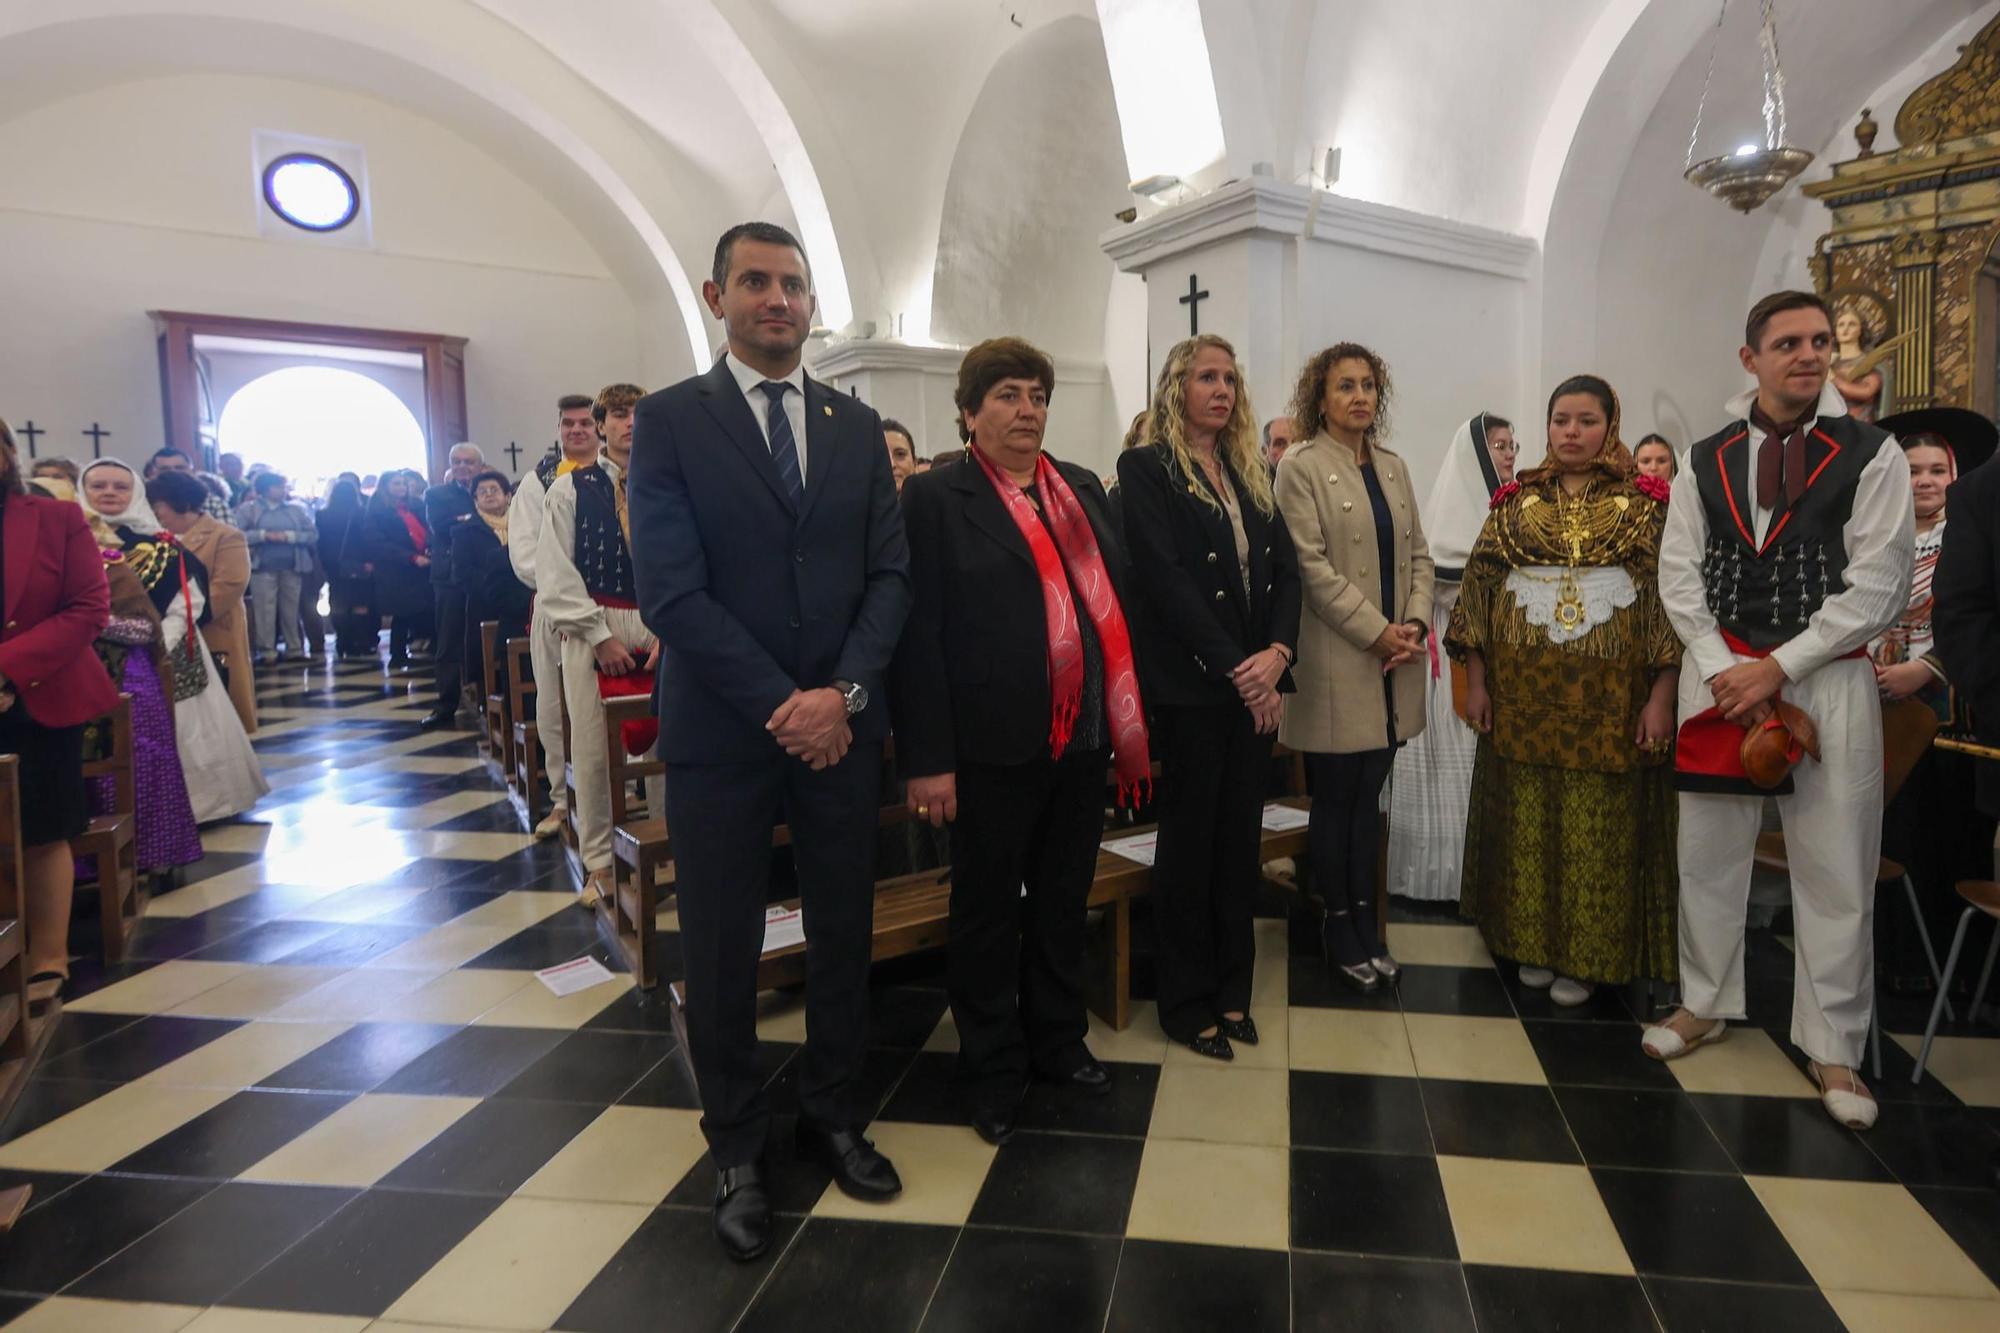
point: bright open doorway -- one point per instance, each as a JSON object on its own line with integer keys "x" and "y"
{"x": 311, "y": 423}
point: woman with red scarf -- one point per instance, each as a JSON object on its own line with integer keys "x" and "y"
{"x": 1014, "y": 688}
{"x": 396, "y": 546}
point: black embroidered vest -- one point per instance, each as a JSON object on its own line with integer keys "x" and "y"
{"x": 601, "y": 555}
{"x": 545, "y": 471}
{"x": 1765, "y": 595}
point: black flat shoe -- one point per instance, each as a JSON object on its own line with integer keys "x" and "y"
{"x": 1091, "y": 1076}
{"x": 1361, "y": 977}
{"x": 995, "y": 1124}
{"x": 742, "y": 1212}
{"x": 1242, "y": 1029}
{"x": 860, "y": 1171}
{"x": 1216, "y": 1047}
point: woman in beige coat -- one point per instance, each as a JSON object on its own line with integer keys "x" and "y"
{"x": 1366, "y": 575}
{"x": 223, "y": 552}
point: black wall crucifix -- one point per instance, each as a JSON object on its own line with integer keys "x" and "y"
{"x": 31, "y": 431}
{"x": 98, "y": 435}
{"x": 513, "y": 452}
{"x": 1193, "y": 301}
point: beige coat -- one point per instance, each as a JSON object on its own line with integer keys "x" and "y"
{"x": 1340, "y": 706}
{"x": 222, "y": 550}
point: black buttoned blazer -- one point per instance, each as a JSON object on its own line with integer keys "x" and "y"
{"x": 1198, "y": 623}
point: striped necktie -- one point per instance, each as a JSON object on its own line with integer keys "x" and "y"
{"x": 784, "y": 449}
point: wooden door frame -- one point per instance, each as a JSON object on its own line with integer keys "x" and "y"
{"x": 180, "y": 391}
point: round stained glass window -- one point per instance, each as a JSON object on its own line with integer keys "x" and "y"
{"x": 310, "y": 192}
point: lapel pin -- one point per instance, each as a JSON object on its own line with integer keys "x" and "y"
{"x": 828, "y": 409}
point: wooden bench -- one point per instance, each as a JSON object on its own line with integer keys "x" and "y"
{"x": 23, "y": 1035}
{"x": 639, "y": 849}
{"x": 524, "y": 745}
{"x": 109, "y": 843}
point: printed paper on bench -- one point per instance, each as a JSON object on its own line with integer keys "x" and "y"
{"x": 783, "y": 927}
{"x": 1140, "y": 847}
{"x": 1279, "y": 818}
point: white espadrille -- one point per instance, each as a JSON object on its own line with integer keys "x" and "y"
{"x": 1569, "y": 993}
{"x": 1663, "y": 1043}
{"x": 1853, "y": 1106}
{"x": 1536, "y": 978}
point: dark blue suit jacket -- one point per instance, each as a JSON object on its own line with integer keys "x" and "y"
{"x": 750, "y": 597}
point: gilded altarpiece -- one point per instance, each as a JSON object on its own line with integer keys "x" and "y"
{"x": 1913, "y": 240}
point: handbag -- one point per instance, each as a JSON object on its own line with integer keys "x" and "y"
{"x": 190, "y": 671}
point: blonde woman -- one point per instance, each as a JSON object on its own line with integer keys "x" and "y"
{"x": 1365, "y": 575}
{"x": 1217, "y": 609}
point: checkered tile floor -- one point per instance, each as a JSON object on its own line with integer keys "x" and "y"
{"x": 328, "y": 1094}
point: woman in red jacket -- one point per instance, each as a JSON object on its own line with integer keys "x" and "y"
{"x": 53, "y": 604}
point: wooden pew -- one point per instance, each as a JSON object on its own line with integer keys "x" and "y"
{"x": 109, "y": 843}
{"x": 23, "y": 1035}
{"x": 496, "y": 736}
{"x": 524, "y": 745}
{"x": 639, "y": 849}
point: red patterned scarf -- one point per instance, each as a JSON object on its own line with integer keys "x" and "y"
{"x": 1085, "y": 563}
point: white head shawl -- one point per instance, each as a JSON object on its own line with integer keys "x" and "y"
{"x": 138, "y": 516}
{"x": 1459, "y": 499}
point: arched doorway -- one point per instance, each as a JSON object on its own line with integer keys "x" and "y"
{"x": 311, "y": 423}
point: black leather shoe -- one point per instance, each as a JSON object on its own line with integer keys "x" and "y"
{"x": 437, "y": 717}
{"x": 860, "y": 1171}
{"x": 742, "y": 1212}
{"x": 1091, "y": 1076}
{"x": 1242, "y": 1029}
{"x": 995, "y": 1124}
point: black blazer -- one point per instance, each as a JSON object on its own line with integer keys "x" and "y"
{"x": 1197, "y": 623}
{"x": 750, "y": 597}
{"x": 480, "y": 567}
{"x": 1966, "y": 584}
{"x": 402, "y": 587}
{"x": 971, "y": 680}
{"x": 447, "y": 507}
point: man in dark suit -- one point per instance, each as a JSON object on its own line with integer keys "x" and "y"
{"x": 446, "y": 505}
{"x": 771, "y": 564}
{"x": 1966, "y": 614}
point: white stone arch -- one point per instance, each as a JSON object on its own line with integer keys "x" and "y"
{"x": 430, "y": 42}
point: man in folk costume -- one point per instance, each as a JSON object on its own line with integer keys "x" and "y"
{"x": 584, "y": 563}
{"x": 578, "y": 446}
{"x": 1787, "y": 548}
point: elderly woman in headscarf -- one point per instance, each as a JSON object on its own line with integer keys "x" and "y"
{"x": 1430, "y": 787}
{"x": 223, "y": 776}
{"x": 133, "y": 651}
{"x": 1571, "y": 668}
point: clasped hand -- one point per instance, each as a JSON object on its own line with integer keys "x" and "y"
{"x": 1397, "y": 644}
{"x": 812, "y": 725}
{"x": 1743, "y": 693}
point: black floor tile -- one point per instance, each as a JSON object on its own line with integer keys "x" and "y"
{"x": 433, "y": 907}
{"x": 1060, "y": 1182}
{"x": 52, "y": 1246}
{"x": 1679, "y": 1224}
{"x": 1311, "y": 986}
{"x": 1475, "y": 992}
{"x": 45, "y": 1186}
{"x": 1169, "y": 1288}
{"x": 366, "y": 1255}
{"x": 1604, "y": 1055}
{"x": 1787, "y": 1136}
{"x": 361, "y": 1058}
{"x": 1685, "y": 1306}
{"x": 213, "y": 1247}
{"x": 1370, "y": 1203}
{"x": 265, "y": 943}
{"x": 13, "y": 1307}
{"x": 881, "y": 1070}
{"x": 353, "y": 945}
{"x": 1628, "y": 1127}
{"x": 177, "y": 937}
{"x": 593, "y": 1067}
{"x": 493, "y": 1147}
{"x": 1536, "y": 1300}
{"x": 1332, "y": 1293}
{"x": 474, "y": 1062}
{"x": 46, "y": 1099}
{"x": 1002, "y": 1281}
{"x": 667, "y": 1083}
{"x": 840, "y": 1274}
{"x": 1360, "y": 1112}
{"x": 904, "y": 1016}
{"x": 75, "y": 1031}
{"x": 1497, "y": 1120}
{"x": 500, "y": 817}
{"x": 1934, "y": 1145}
{"x": 636, "y": 1011}
{"x": 927, "y": 1094}
{"x": 1971, "y": 1217}
{"x": 135, "y": 1048}
{"x": 217, "y": 863}
{"x": 560, "y": 939}
{"x": 233, "y": 1136}
{"x": 671, "y": 1277}
{"x": 1125, "y": 1110}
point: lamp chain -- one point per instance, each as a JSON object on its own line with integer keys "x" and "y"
{"x": 1774, "y": 80}
{"x": 1707, "y": 78}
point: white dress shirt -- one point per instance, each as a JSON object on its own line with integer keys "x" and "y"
{"x": 1880, "y": 537}
{"x": 760, "y": 405}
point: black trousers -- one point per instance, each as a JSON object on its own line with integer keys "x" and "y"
{"x": 1015, "y": 964}
{"x": 1210, "y": 812}
{"x": 722, "y": 816}
{"x": 1342, "y": 838}
{"x": 448, "y": 662}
